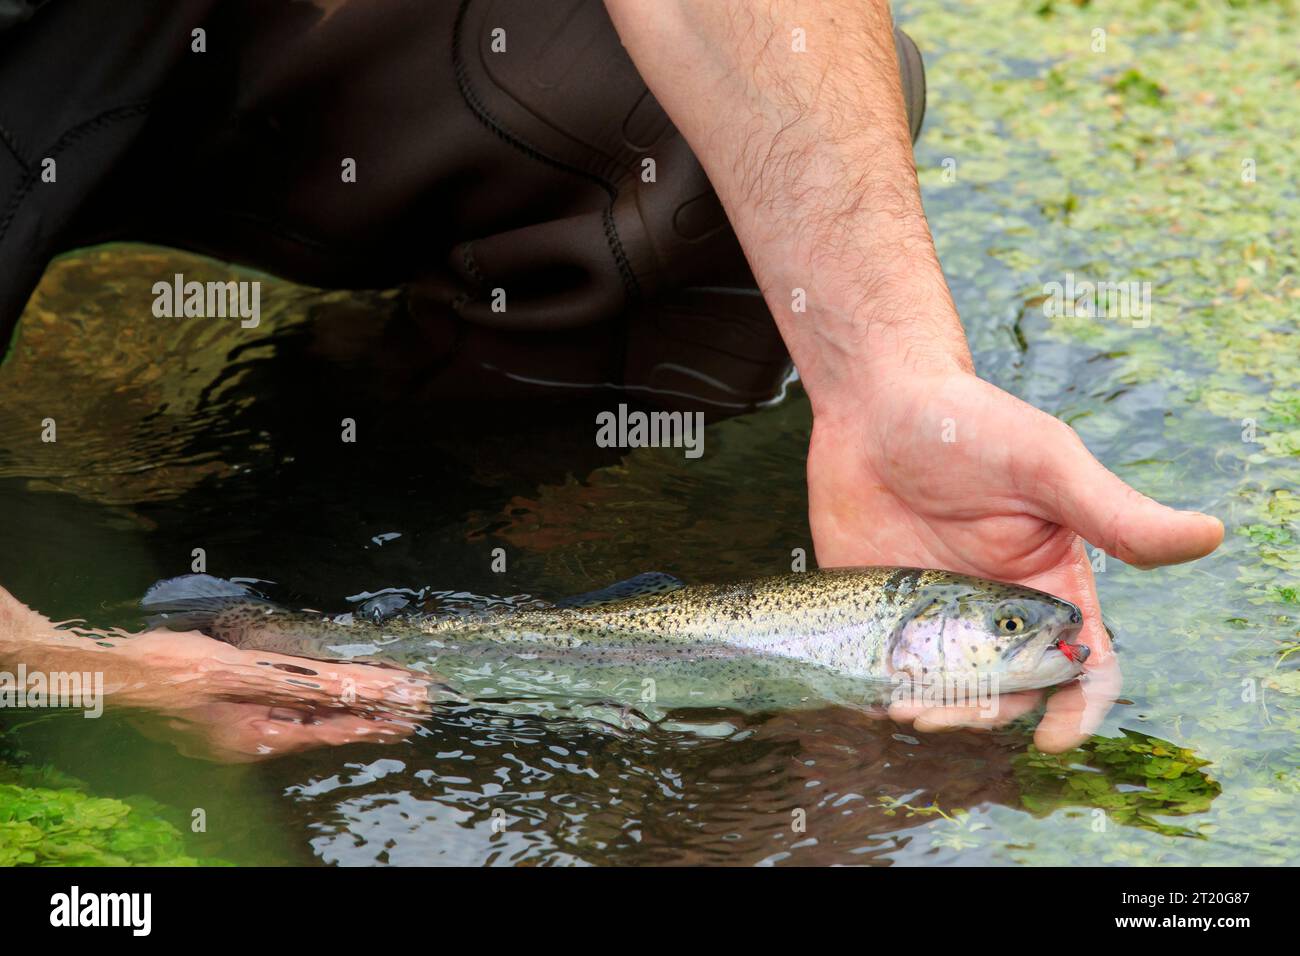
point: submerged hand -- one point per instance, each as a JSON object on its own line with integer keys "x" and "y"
{"x": 219, "y": 701}
{"x": 945, "y": 470}
{"x": 234, "y": 705}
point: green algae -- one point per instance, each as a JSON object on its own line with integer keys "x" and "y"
{"x": 1162, "y": 154}
{"x": 47, "y": 818}
{"x": 1135, "y": 779}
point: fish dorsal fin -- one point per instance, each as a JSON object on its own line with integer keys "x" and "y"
{"x": 652, "y": 582}
{"x": 191, "y": 601}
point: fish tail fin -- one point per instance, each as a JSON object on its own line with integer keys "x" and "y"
{"x": 192, "y": 602}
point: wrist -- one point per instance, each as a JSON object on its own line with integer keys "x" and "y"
{"x": 848, "y": 356}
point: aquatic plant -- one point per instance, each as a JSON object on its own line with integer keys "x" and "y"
{"x": 1135, "y": 779}
{"x": 48, "y": 819}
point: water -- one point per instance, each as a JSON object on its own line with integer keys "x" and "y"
{"x": 176, "y": 436}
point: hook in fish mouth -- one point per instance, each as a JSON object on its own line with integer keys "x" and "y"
{"x": 1078, "y": 653}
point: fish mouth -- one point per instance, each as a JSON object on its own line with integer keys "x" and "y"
{"x": 1067, "y": 643}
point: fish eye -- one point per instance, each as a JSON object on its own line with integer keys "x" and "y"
{"x": 1011, "y": 620}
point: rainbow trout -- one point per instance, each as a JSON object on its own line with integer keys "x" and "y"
{"x": 855, "y": 636}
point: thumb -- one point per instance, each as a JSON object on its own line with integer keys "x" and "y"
{"x": 1095, "y": 504}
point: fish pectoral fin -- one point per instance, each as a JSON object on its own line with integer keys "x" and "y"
{"x": 192, "y": 601}
{"x": 652, "y": 582}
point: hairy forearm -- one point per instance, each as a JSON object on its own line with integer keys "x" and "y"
{"x": 811, "y": 156}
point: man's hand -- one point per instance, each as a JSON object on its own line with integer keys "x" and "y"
{"x": 218, "y": 701}
{"x": 795, "y": 110}
{"x": 945, "y": 470}
{"x": 223, "y": 703}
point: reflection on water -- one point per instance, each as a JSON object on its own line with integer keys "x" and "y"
{"x": 175, "y": 435}
{"x": 809, "y": 787}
